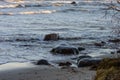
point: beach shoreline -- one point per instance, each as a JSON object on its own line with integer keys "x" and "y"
{"x": 45, "y": 72}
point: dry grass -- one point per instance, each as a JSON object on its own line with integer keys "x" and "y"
{"x": 108, "y": 69}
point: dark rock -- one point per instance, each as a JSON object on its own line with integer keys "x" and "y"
{"x": 99, "y": 44}
{"x": 19, "y": 5}
{"x": 65, "y": 50}
{"x": 112, "y": 52}
{"x": 94, "y": 67}
{"x": 81, "y": 48}
{"x": 26, "y": 40}
{"x": 74, "y": 3}
{"x": 32, "y": 5}
{"x": 70, "y": 38}
{"x": 114, "y": 40}
{"x": 83, "y": 56}
{"x": 65, "y": 64}
{"x": 52, "y": 36}
{"x": 118, "y": 51}
{"x": 88, "y": 62}
{"x": 42, "y": 62}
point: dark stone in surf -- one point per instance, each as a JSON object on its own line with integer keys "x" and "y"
{"x": 83, "y": 56}
{"x": 118, "y": 51}
{"x": 74, "y": 3}
{"x": 32, "y": 5}
{"x": 65, "y": 64}
{"x": 114, "y": 40}
{"x": 102, "y": 43}
{"x": 52, "y": 36}
{"x": 85, "y": 62}
{"x": 112, "y": 52}
{"x": 81, "y": 48}
{"x": 65, "y": 50}
{"x": 26, "y": 40}
{"x": 42, "y": 62}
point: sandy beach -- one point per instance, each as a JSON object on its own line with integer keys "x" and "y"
{"x": 42, "y": 72}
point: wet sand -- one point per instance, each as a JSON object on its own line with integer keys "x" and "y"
{"x": 42, "y": 72}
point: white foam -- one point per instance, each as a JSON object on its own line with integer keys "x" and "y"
{"x": 38, "y": 12}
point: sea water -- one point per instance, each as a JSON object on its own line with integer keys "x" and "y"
{"x": 24, "y": 23}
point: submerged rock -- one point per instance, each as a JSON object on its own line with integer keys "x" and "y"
{"x": 88, "y": 62}
{"x": 83, "y": 56}
{"x": 26, "y": 40}
{"x": 65, "y": 50}
{"x": 42, "y": 62}
{"x": 81, "y": 48}
{"x": 65, "y": 64}
{"x": 114, "y": 40}
{"x": 52, "y": 36}
{"x": 102, "y": 43}
{"x": 118, "y": 51}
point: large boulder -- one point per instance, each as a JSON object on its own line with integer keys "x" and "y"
{"x": 66, "y": 50}
{"x": 52, "y": 36}
{"x": 42, "y": 62}
{"x": 85, "y": 62}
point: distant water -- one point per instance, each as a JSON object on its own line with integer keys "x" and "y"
{"x": 24, "y": 23}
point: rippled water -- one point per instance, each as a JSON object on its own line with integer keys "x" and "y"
{"x": 23, "y": 25}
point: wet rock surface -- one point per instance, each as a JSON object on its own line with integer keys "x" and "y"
{"x": 118, "y": 51}
{"x": 66, "y": 50}
{"x": 82, "y": 57}
{"x": 102, "y": 43}
{"x": 52, "y": 36}
{"x": 65, "y": 64}
{"x": 81, "y": 48}
{"x": 85, "y": 62}
{"x": 114, "y": 40}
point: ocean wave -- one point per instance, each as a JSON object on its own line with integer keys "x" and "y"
{"x": 9, "y": 6}
{"x": 38, "y": 12}
{"x": 8, "y": 13}
{"x": 43, "y": 11}
{"x": 33, "y": 37}
{"x": 23, "y": 5}
{"x": 28, "y": 12}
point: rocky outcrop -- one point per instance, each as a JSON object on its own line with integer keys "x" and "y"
{"x": 65, "y": 50}
{"x": 52, "y": 36}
